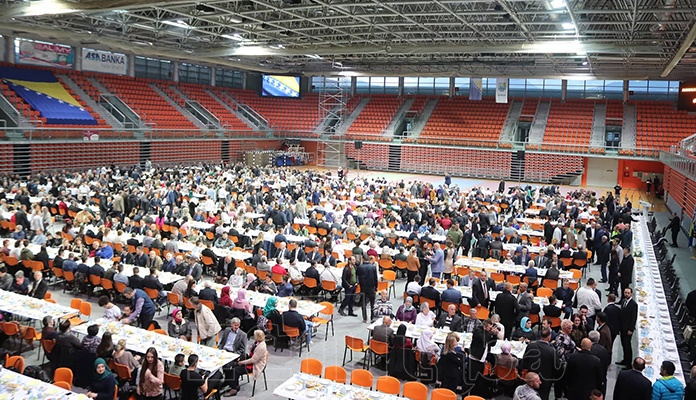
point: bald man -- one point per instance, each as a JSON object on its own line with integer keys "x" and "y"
{"x": 583, "y": 373}
{"x": 528, "y": 391}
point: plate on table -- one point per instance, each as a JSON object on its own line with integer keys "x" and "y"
{"x": 293, "y": 387}
{"x": 312, "y": 394}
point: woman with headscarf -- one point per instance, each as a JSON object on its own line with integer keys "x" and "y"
{"x": 225, "y": 299}
{"x": 103, "y": 384}
{"x": 178, "y": 327}
{"x": 271, "y": 314}
{"x": 524, "y": 332}
{"x": 407, "y": 312}
{"x": 237, "y": 279}
{"x": 241, "y": 302}
{"x": 505, "y": 359}
{"x": 426, "y": 345}
{"x": 251, "y": 283}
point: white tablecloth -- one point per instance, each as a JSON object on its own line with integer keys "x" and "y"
{"x": 656, "y": 341}
{"x": 499, "y": 267}
{"x": 16, "y": 386}
{"x": 304, "y": 386}
{"x": 29, "y": 307}
{"x": 304, "y": 307}
{"x": 139, "y": 340}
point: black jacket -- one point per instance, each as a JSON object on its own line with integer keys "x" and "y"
{"x": 613, "y": 312}
{"x": 477, "y": 296}
{"x": 431, "y": 293}
{"x": 293, "y": 319}
{"x": 632, "y": 385}
{"x": 39, "y": 291}
{"x": 583, "y": 374}
{"x": 506, "y": 307}
{"x": 629, "y": 315}
{"x": 367, "y": 277}
{"x": 626, "y": 270}
{"x": 479, "y": 340}
{"x": 541, "y": 357}
{"x": 152, "y": 282}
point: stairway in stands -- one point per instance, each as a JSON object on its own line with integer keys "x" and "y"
{"x": 394, "y": 157}
{"x": 517, "y": 166}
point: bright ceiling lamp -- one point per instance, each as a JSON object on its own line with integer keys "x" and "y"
{"x": 568, "y": 26}
{"x": 48, "y": 7}
{"x": 556, "y": 4}
{"x": 178, "y": 23}
{"x": 236, "y": 37}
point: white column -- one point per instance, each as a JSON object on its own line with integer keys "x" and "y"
{"x": 401, "y": 86}
{"x": 9, "y": 53}
{"x": 564, "y": 89}
{"x": 77, "y": 52}
{"x": 175, "y": 72}
{"x": 625, "y": 91}
{"x": 212, "y": 76}
{"x": 131, "y": 65}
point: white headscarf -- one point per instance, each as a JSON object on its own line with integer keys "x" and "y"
{"x": 425, "y": 343}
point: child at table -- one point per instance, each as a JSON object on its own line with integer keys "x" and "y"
{"x": 178, "y": 365}
{"x": 127, "y": 311}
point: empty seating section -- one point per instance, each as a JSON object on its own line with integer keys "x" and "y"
{"x": 569, "y": 126}
{"x": 371, "y": 155}
{"x": 660, "y": 125}
{"x": 543, "y": 167}
{"x": 82, "y": 155}
{"x": 493, "y": 164}
{"x": 615, "y": 112}
{"x": 177, "y": 152}
{"x": 529, "y": 108}
{"x": 227, "y": 119}
{"x": 459, "y": 119}
{"x": 6, "y": 158}
{"x": 375, "y": 117}
{"x": 681, "y": 189}
{"x": 283, "y": 114}
{"x": 151, "y": 107}
{"x": 418, "y": 105}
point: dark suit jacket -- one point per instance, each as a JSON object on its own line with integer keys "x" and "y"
{"x": 613, "y": 312}
{"x": 367, "y": 277}
{"x": 583, "y": 373}
{"x": 604, "y": 357}
{"x": 152, "y": 282}
{"x": 240, "y": 341}
{"x": 626, "y": 270}
{"x": 632, "y": 385}
{"x": 542, "y": 358}
{"x": 477, "y": 297}
{"x": 506, "y": 307}
{"x": 135, "y": 282}
{"x": 455, "y": 324}
{"x": 629, "y": 315}
{"x": 39, "y": 291}
{"x": 293, "y": 319}
{"x": 605, "y": 337}
{"x": 431, "y": 293}
{"x": 479, "y": 340}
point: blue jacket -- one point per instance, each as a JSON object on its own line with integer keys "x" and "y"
{"x": 667, "y": 388}
{"x": 105, "y": 253}
{"x": 148, "y": 306}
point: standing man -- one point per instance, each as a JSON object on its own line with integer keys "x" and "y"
{"x": 349, "y": 281}
{"x": 629, "y": 315}
{"x": 479, "y": 290}
{"x": 631, "y": 384}
{"x": 506, "y": 307}
{"x": 626, "y": 269}
{"x": 367, "y": 278}
{"x": 437, "y": 261}
{"x": 603, "y": 253}
{"x": 142, "y": 306}
{"x": 668, "y": 387}
{"x": 544, "y": 360}
{"x": 483, "y": 338}
{"x": 583, "y": 373}
{"x": 206, "y": 323}
{"x": 675, "y": 226}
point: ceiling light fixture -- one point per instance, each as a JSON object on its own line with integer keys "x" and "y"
{"x": 236, "y": 37}
{"x": 568, "y": 26}
{"x": 178, "y": 24}
{"x": 556, "y": 4}
{"x": 235, "y": 19}
{"x": 314, "y": 56}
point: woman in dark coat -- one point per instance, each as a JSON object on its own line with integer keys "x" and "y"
{"x": 402, "y": 360}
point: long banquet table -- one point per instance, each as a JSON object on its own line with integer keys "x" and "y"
{"x": 17, "y": 386}
{"x": 139, "y": 340}
{"x": 656, "y": 342}
{"x": 31, "y": 308}
{"x": 303, "y": 386}
{"x": 304, "y": 307}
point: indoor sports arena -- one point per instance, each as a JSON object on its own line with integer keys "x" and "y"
{"x": 357, "y": 200}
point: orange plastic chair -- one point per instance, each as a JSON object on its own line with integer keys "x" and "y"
{"x": 328, "y": 311}
{"x": 336, "y": 373}
{"x": 473, "y": 398}
{"x": 377, "y": 348}
{"x": 172, "y": 382}
{"x": 415, "y": 391}
{"x": 62, "y": 385}
{"x": 64, "y": 375}
{"x": 544, "y": 292}
{"x": 311, "y": 366}
{"x": 161, "y": 332}
{"x": 443, "y": 394}
{"x": 17, "y": 362}
{"x": 75, "y": 304}
{"x": 354, "y": 344}
{"x": 361, "y": 377}
{"x": 389, "y": 385}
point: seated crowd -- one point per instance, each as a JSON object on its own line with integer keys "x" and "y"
{"x": 308, "y": 229}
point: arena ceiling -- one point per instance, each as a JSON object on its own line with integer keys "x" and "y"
{"x": 610, "y": 39}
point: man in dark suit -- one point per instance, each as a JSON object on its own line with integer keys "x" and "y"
{"x": 506, "y": 307}
{"x": 548, "y": 232}
{"x": 631, "y": 384}
{"x": 429, "y": 292}
{"x": 483, "y": 338}
{"x": 39, "y": 287}
{"x": 605, "y": 338}
{"x": 583, "y": 373}
{"x": 135, "y": 281}
{"x": 140, "y": 258}
{"x": 542, "y": 358}
{"x": 613, "y": 312}
{"x": 629, "y": 315}
{"x": 603, "y": 354}
{"x": 367, "y": 278}
{"x": 226, "y": 267}
{"x": 479, "y": 291}
{"x": 626, "y": 270}
{"x": 603, "y": 251}
{"x": 294, "y": 319}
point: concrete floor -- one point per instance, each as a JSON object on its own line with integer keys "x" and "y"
{"x": 330, "y": 352}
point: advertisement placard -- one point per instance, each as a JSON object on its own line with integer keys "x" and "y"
{"x": 45, "y": 54}
{"x": 104, "y": 61}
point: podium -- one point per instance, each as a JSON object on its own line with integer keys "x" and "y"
{"x": 646, "y": 208}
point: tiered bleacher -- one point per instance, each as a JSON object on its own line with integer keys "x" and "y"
{"x": 375, "y": 117}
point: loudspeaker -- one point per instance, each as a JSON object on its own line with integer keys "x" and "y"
{"x": 358, "y": 145}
